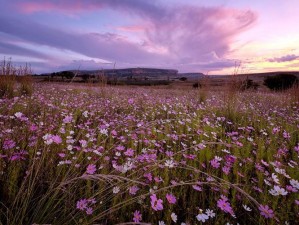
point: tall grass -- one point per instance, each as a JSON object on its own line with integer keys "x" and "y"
{"x": 15, "y": 80}
{"x": 7, "y": 78}
{"x": 293, "y": 93}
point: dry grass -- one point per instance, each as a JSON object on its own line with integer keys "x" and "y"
{"x": 294, "y": 94}
{"x": 7, "y": 79}
{"x": 15, "y": 80}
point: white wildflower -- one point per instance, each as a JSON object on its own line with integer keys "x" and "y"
{"x": 201, "y": 217}
{"x": 174, "y": 217}
{"x": 294, "y": 183}
{"x": 169, "y": 163}
{"x": 275, "y": 178}
{"x": 85, "y": 114}
{"x": 115, "y": 190}
{"x": 278, "y": 191}
{"x": 104, "y": 132}
{"x": 210, "y": 213}
{"x": 247, "y": 208}
{"x": 18, "y": 115}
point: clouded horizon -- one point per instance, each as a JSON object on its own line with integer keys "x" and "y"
{"x": 191, "y": 36}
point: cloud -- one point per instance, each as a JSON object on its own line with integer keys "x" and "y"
{"x": 76, "y": 6}
{"x": 286, "y": 58}
{"x": 171, "y": 34}
{"x": 107, "y": 46}
{"x": 194, "y": 32}
{"x": 133, "y": 28}
{"x": 86, "y": 65}
{"x": 13, "y": 49}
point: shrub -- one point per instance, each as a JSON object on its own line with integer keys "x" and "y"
{"x": 183, "y": 79}
{"x": 87, "y": 77}
{"x": 248, "y": 84}
{"x": 196, "y": 85}
{"x": 280, "y": 81}
{"x": 67, "y": 74}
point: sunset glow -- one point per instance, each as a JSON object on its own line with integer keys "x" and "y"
{"x": 191, "y": 36}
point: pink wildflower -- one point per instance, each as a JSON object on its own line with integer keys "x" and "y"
{"x": 286, "y": 135}
{"x": 226, "y": 170}
{"x": 197, "y": 187}
{"x": 266, "y": 211}
{"x": 91, "y": 169}
{"x": 62, "y": 155}
{"x": 129, "y": 152}
{"x": 133, "y": 190}
{"x": 225, "y": 206}
{"x": 215, "y": 163}
{"x": 275, "y": 130}
{"x": 130, "y": 101}
{"x": 137, "y": 217}
{"x": 157, "y": 204}
{"x": 89, "y": 211}
{"x": 56, "y": 139}
{"x": 8, "y": 144}
{"x": 82, "y": 204}
{"x": 148, "y": 176}
{"x": 114, "y": 133}
{"x": 68, "y": 119}
{"x": 33, "y": 127}
{"x": 171, "y": 198}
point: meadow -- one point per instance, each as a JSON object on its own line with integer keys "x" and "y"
{"x": 78, "y": 154}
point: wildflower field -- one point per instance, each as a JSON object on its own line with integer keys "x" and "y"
{"x": 121, "y": 155}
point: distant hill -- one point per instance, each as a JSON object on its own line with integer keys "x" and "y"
{"x": 191, "y": 76}
{"x": 128, "y": 73}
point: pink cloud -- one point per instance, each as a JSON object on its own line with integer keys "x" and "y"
{"x": 133, "y": 28}
{"x": 32, "y": 6}
{"x": 62, "y": 6}
{"x": 194, "y": 33}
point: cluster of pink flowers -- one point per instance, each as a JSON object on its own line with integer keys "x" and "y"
{"x": 86, "y": 205}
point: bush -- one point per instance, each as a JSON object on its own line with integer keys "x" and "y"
{"x": 87, "y": 77}
{"x": 248, "y": 84}
{"x": 67, "y": 74}
{"x": 280, "y": 81}
{"x": 183, "y": 79}
{"x": 196, "y": 85}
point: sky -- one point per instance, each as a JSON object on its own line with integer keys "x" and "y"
{"x": 208, "y": 36}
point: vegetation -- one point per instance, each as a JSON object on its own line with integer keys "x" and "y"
{"x": 183, "y": 78}
{"x": 14, "y": 80}
{"x": 64, "y": 75}
{"x": 196, "y": 85}
{"x": 280, "y": 81}
{"x": 111, "y": 155}
{"x": 248, "y": 84}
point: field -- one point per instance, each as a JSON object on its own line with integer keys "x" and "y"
{"x": 81, "y": 154}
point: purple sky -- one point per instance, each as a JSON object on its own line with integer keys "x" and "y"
{"x": 189, "y": 35}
